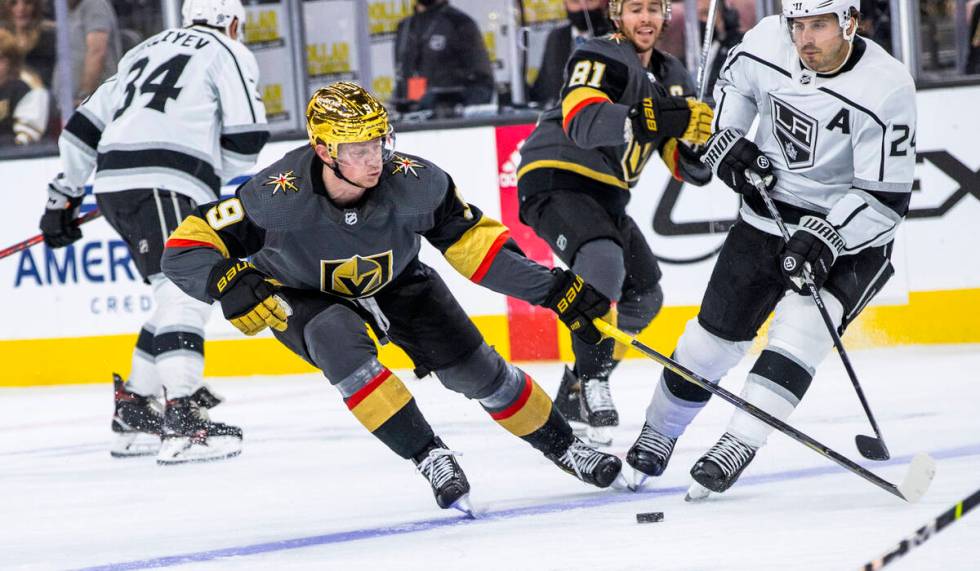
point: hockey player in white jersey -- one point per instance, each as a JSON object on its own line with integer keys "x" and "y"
{"x": 835, "y": 145}
{"x": 181, "y": 115}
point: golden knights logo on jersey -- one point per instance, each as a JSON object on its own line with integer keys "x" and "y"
{"x": 796, "y": 132}
{"x": 360, "y": 276}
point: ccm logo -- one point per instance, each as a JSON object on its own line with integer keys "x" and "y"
{"x": 570, "y": 294}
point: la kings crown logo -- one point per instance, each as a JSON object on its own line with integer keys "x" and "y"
{"x": 796, "y": 132}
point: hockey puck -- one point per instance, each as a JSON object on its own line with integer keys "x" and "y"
{"x": 649, "y": 517}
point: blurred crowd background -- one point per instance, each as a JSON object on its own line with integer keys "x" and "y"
{"x": 436, "y": 62}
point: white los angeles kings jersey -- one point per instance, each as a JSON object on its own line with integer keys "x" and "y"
{"x": 182, "y": 114}
{"x": 842, "y": 145}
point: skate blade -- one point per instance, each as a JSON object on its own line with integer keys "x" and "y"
{"x": 464, "y": 505}
{"x": 184, "y": 451}
{"x": 134, "y": 444}
{"x": 622, "y": 483}
{"x": 697, "y": 493}
{"x": 579, "y": 429}
{"x": 600, "y": 436}
{"x": 639, "y": 480}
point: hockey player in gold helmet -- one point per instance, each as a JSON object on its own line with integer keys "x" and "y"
{"x": 349, "y": 130}
{"x": 345, "y": 254}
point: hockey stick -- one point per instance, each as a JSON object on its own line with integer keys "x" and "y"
{"x": 872, "y": 448}
{"x": 925, "y": 532}
{"x": 913, "y": 486}
{"x": 709, "y": 38}
{"x": 87, "y": 217}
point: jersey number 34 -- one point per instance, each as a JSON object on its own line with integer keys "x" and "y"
{"x": 162, "y": 83}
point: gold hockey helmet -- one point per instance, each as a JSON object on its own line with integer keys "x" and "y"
{"x": 344, "y": 112}
{"x": 616, "y": 10}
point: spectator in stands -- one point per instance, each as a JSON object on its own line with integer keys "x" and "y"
{"x": 95, "y": 46}
{"x": 728, "y": 34}
{"x": 440, "y": 60}
{"x": 586, "y": 19}
{"x": 35, "y": 36}
{"x": 973, "y": 50}
{"x": 875, "y": 23}
{"x": 23, "y": 109}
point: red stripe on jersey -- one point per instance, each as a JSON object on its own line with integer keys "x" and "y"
{"x": 575, "y": 110}
{"x": 181, "y": 243}
{"x": 518, "y": 404}
{"x": 484, "y": 266}
{"x": 367, "y": 389}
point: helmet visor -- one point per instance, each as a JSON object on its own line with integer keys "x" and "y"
{"x": 367, "y": 153}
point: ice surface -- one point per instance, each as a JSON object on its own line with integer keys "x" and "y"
{"x": 313, "y": 490}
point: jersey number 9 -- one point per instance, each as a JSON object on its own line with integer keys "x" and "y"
{"x": 225, "y": 213}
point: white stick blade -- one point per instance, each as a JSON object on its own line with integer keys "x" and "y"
{"x": 917, "y": 480}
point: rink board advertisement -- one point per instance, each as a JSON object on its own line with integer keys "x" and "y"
{"x": 71, "y": 315}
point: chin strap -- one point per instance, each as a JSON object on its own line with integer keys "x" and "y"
{"x": 336, "y": 170}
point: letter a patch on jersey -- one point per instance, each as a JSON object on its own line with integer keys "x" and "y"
{"x": 796, "y": 132}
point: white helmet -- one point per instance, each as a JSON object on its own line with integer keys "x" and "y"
{"x": 842, "y": 8}
{"x": 215, "y": 13}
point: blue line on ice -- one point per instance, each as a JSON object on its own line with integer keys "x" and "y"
{"x": 436, "y": 523}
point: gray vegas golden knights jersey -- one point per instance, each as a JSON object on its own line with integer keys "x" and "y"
{"x": 283, "y": 219}
{"x": 580, "y": 144}
{"x": 842, "y": 146}
{"x": 183, "y": 113}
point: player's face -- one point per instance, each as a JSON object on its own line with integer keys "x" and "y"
{"x": 819, "y": 41}
{"x": 362, "y": 162}
{"x": 641, "y": 22}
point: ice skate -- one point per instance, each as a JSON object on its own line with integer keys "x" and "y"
{"x": 189, "y": 435}
{"x": 720, "y": 467}
{"x": 649, "y": 455}
{"x": 136, "y": 423}
{"x": 449, "y": 485}
{"x": 598, "y": 411}
{"x": 590, "y": 465}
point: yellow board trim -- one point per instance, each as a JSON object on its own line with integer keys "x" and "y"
{"x": 935, "y": 317}
{"x": 196, "y": 229}
{"x": 577, "y": 96}
{"x": 575, "y": 168}
{"x": 76, "y": 360}
{"x": 471, "y": 249}
{"x": 384, "y": 401}
{"x": 532, "y": 416}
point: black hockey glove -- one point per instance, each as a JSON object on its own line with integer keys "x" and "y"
{"x": 663, "y": 116}
{"x": 577, "y": 304}
{"x": 248, "y": 299}
{"x": 730, "y": 155}
{"x": 815, "y": 245}
{"x": 58, "y": 221}
{"x": 685, "y": 163}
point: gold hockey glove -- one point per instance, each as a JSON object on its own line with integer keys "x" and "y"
{"x": 248, "y": 299}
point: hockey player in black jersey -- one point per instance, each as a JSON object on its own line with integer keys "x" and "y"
{"x": 333, "y": 232}
{"x": 836, "y": 152}
{"x": 622, "y": 101}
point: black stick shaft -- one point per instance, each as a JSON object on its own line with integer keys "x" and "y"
{"x": 818, "y": 300}
{"x": 748, "y": 407}
{"x": 925, "y": 532}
